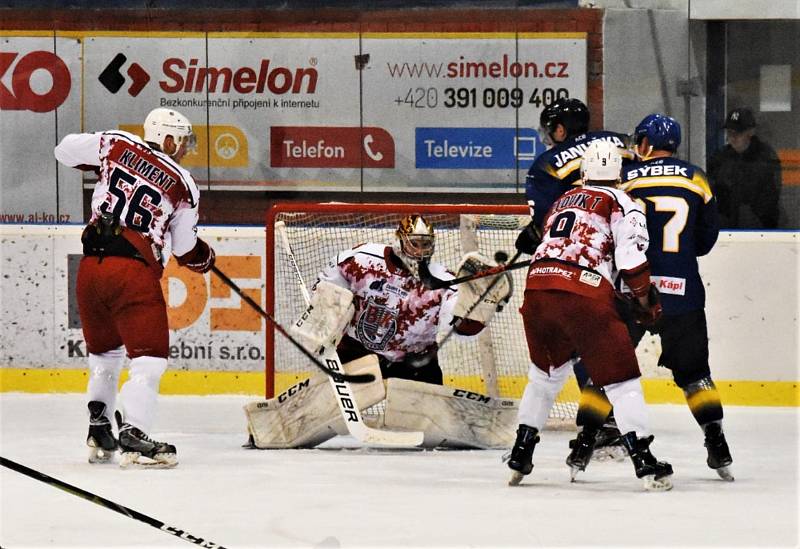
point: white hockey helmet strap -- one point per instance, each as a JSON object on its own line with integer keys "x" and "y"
{"x": 415, "y": 236}
{"x": 161, "y": 122}
{"x": 601, "y": 161}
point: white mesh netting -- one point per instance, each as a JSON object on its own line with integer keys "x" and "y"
{"x": 495, "y": 364}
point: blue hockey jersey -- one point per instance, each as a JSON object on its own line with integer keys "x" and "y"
{"x": 682, "y": 222}
{"x": 557, "y": 170}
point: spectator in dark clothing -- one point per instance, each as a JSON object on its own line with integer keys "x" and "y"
{"x": 746, "y": 176}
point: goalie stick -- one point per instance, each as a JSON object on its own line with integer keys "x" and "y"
{"x": 336, "y": 374}
{"x": 434, "y": 283}
{"x": 107, "y": 503}
{"x": 345, "y": 397}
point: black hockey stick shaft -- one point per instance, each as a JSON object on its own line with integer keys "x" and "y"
{"x": 107, "y": 503}
{"x": 359, "y": 378}
{"x": 440, "y": 283}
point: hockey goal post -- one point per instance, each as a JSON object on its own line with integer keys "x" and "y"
{"x": 495, "y": 363}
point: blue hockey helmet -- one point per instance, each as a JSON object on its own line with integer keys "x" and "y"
{"x": 662, "y": 132}
{"x": 573, "y": 114}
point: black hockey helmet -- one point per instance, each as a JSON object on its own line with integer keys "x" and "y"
{"x": 573, "y": 114}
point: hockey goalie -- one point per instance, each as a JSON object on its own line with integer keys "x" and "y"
{"x": 372, "y": 304}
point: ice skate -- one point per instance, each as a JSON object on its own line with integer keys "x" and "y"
{"x": 100, "y": 440}
{"x": 582, "y": 449}
{"x": 654, "y": 473}
{"x": 522, "y": 453}
{"x": 719, "y": 455}
{"x": 139, "y": 450}
{"x": 608, "y": 445}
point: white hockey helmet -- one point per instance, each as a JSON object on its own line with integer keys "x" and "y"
{"x": 160, "y": 123}
{"x": 415, "y": 238}
{"x": 601, "y": 161}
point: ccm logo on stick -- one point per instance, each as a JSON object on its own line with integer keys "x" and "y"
{"x": 24, "y": 94}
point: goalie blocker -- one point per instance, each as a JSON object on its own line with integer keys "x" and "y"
{"x": 306, "y": 414}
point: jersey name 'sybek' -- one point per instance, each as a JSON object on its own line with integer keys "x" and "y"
{"x": 683, "y": 223}
{"x": 394, "y": 313}
{"x": 590, "y": 234}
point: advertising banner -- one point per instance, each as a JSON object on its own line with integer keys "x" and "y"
{"x": 237, "y": 92}
{"x": 463, "y": 109}
{"x": 211, "y": 327}
{"x": 327, "y": 111}
{"x": 39, "y": 85}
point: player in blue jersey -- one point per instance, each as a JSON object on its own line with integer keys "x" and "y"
{"x": 564, "y": 128}
{"x": 682, "y": 223}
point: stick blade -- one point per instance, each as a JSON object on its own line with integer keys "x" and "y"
{"x": 391, "y": 439}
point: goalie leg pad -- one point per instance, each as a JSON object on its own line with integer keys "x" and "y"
{"x": 449, "y": 416}
{"x": 306, "y": 414}
{"x": 324, "y": 320}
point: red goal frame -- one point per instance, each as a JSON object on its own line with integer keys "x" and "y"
{"x": 342, "y": 207}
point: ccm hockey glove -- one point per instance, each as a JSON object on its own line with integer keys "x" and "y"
{"x": 529, "y": 239}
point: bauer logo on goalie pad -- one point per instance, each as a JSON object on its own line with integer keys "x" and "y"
{"x": 376, "y": 325}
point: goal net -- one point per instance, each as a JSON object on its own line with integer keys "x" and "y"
{"x": 495, "y": 363}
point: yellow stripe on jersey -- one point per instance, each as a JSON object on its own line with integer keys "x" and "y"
{"x": 697, "y": 184}
{"x": 568, "y": 168}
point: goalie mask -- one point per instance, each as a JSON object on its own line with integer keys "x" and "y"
{"x": 163, "y": 122}
{"x": 415, "y": 241}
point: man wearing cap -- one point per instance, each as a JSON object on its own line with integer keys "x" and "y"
{"x": 746, "y": 175}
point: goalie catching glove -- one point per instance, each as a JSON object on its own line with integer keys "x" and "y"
{"x": 323, "y": 322}
{"x": 478, "y": 300}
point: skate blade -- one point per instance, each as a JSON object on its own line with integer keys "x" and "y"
{"x": 609, "y": 453}
{"x": 98, "y": 455}
{"x": 573, "y": 472}
{"x": 725, "y": 474}
{"x": 135, "y": 460}
{"x": 661, "y": 485}
{"x": 516, "y": 478}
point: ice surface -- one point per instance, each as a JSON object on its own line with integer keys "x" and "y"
{"x": 343, "y": 496}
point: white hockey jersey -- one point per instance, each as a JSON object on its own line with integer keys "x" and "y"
{"x": 395, "y": 314}
{"x": 591, "y": 233}
{"x": 147, "y": 190}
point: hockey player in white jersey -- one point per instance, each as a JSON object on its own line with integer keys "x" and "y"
{"x": 144, "y": 204}
{"x": 371, "y": 301}
{"x": 396, "y": 316}
{"x": 592, "y": 234}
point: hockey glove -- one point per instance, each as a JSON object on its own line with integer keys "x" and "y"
{"x": 650, "y": 314}
{"x": 200, "y": 259}
{"x": 529, "y": 239}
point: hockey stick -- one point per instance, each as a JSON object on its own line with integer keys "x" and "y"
{"x": 434, "y": 283}
{"x": 335, "y": 373}
{"x": 488, "y": 289}
{"x": 107, "y": 503}
{"x": 345, "y": 397}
